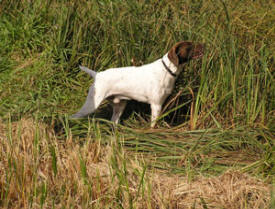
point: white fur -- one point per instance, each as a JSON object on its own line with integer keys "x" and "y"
{"x": 150, "y": 83}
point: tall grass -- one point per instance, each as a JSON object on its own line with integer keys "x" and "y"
{"x": 220, "y": 116}
{"x": 43, "y": 41}
{"x": 38, "y": 170}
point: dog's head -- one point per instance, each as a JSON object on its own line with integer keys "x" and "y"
{"x": 184, "y": 51}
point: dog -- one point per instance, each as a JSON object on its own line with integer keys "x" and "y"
{"x": 150, "y": 83}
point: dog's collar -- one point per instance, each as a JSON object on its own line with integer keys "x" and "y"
{"x": 168, "y": 69}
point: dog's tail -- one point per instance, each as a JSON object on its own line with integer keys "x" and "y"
{"x": 87, "y": 70}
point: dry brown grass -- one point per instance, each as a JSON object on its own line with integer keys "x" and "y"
{"x": 92, "y": 176}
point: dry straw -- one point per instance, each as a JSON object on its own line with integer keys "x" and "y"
{"x": 87, "y": 176}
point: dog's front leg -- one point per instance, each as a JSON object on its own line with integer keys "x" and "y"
{"x": 155, "y": 112}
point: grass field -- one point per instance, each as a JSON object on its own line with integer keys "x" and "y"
{"x": 214, "y": 143}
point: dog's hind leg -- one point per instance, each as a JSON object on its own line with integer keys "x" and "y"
{"x": 92, "y": 102}
{"x": 118, "y": 108}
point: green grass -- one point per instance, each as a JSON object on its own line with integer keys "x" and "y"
{"x": 220, "y": 116}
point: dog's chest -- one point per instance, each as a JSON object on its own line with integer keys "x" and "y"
{"x": 167, "y": 86}
{"x": 164, "y": 87}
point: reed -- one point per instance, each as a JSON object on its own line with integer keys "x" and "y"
{"x": 217, "y": 127}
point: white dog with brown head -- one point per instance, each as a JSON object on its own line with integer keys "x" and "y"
{"x": 151, "y": 83}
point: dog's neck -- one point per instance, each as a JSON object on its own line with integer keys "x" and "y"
{"x": 175, "y": 71}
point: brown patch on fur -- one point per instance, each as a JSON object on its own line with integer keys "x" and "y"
{"x": 184, "y": 51}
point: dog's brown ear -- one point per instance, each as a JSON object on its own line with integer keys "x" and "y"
{"x": 180, "y": 52}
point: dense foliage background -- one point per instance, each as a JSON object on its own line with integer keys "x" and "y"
{"x": 219, "y": 117}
